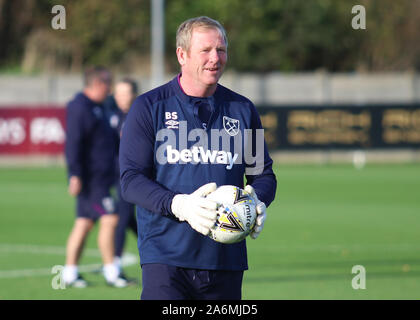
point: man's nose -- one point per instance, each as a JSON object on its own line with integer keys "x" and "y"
{"x": 214, "y": 56}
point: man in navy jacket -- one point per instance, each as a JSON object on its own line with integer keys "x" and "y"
{"x": 90, "y": 152}
{"x": 180, "y": 141}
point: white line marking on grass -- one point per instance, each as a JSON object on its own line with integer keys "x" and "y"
{"x": 40, "y": 249}
{"x": 128, "y": 259}
{"x": 367, "y": 247}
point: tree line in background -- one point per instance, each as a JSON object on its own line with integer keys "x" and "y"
{"x": 264, "y": 35}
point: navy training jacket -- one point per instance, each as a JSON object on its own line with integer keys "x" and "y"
{"x": 165, "y": 150}
{"x": 91, "y": 145}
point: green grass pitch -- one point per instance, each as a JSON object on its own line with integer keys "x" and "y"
{"x": 325, "y": 220}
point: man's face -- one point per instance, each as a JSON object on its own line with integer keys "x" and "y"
{"x": 101, "y": 87}
{"x": 123, "y": 96}
{"x": 205, "y": 61}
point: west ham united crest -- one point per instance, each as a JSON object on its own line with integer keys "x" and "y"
{"x": 231, "y": 126}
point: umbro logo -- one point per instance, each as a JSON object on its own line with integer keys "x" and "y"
{"x": 171, "y": 120}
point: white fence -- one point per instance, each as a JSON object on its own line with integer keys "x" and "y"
{"x": 274, "y": 88}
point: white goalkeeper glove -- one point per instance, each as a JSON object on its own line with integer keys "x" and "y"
{"x": 199, "y": 212}
{"x": 261, "y": 214}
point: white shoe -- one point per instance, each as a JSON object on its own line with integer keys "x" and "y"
{"x": 79, "y": 282}
{"x": 119, "y": 282}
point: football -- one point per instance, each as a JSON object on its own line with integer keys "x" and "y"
{"x": 236, "y": 214}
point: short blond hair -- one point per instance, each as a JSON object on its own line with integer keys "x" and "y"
{"x": 185, "y": 30}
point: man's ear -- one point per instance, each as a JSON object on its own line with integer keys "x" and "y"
{"x": 181, "y": 55}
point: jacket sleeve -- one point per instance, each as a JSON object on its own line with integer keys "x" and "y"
{"x": 262, "y": 180}
{"x": 137, "y": 162}
{"x": 74, "y": 139}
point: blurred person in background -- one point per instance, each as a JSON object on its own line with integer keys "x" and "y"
{"x": 90, "y": 153}
{"x": 117, "y": 107}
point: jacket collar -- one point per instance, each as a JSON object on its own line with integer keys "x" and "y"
{"x": 189, "y": 99}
